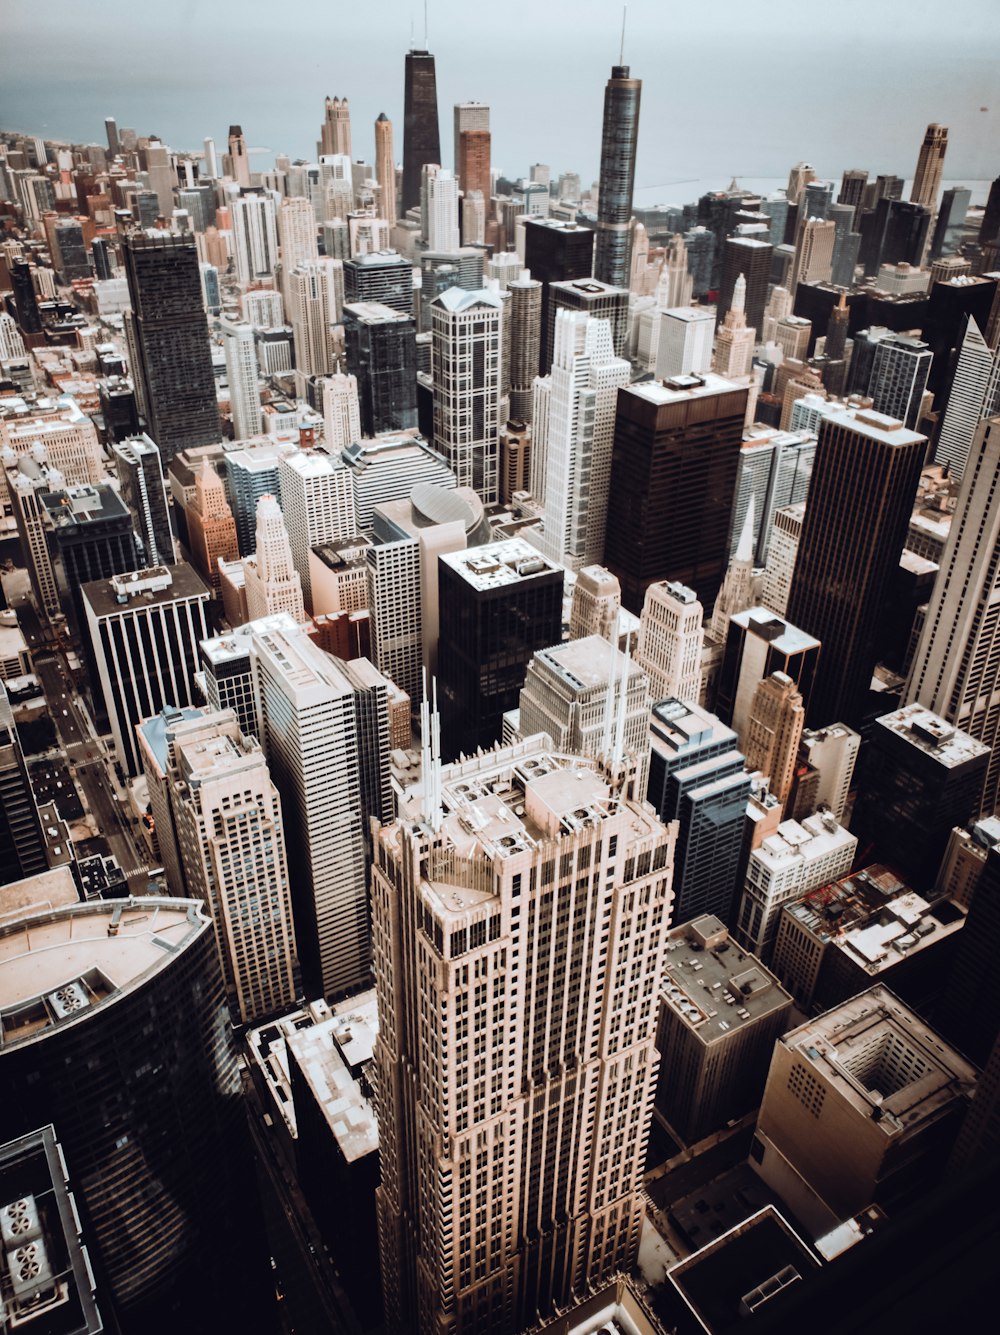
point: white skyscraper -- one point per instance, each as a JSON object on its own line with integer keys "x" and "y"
{"x": 311, "y": 740}
{"x": 316, "y": 298}
{"x": 11, "y": 342}
{"x": 583, "y": 392}
{"x": 317, "y": 499}
{"x": 241, "y": 372}
{"x": 975, "y": 395}
{"x": 341, "y": 412}
{"x": 735, "y": 339}
{"x": 230, "y": 837}
{"x": 297, "y": 236}
{"x": 519, "y": 926}
{"x": 670, "y": 641}
{"x": 442, "y": 211}
{"x": 263, "y": 309}
{"x": 336, "y": 185}
{"x": 255, "y": 237}
{"x": 956, "y": 669}
{"x": 467, "y": 333}
{"x": 685, "y": 342}
{"x": 272, "y": 582}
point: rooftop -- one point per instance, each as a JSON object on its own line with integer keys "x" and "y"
{"x": 686, "y": 727}
{"x": 785, "y": 637}
{"x": 58, "y": 967}
{"x": 499, "y": 563}
{"x": 46, "y": 890}
{"x": 792, "y": 842}
{"x": 375, "y": 312}
{"x": 76, "y": 507}
{"x": 713, "y": 984}
{"x": 311, "y": 463}
{"x": 340, "y": 555}
{"x": 875, "y": 918}
{"x": 876, "y": 426}
{"x": 334, "y": 1056}
{"x": 459, "y": 300}
{"x": 581, "y": 665}
{"x": 144, "y": 589}
{"x": 933, "y": 735}
{"x": 883, "y": 1060}
{"x": 681, "y": 389}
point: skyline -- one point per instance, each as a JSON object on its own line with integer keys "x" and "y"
{"x": 62, "y": 87}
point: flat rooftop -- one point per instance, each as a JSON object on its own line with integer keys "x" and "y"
{"x": 78, "y": 506}
{"x": 49, "y": 889}
{"x": 338, "y": 556}
{"x": 57, "y": 967}
{"x": 375, "y": 312}
{"x": 334, "y": 1058}
{"x": 744, "y": 1271}
{"x": 785, "y": 637}
{"x": 683, "y": 389}
{"x": 792, "y": 842}
{"x": 143, "y": 589}
{"x": 876, "y": 426}
{"x": 933, "y": 735}
{"x": 712, "y": 984}
{"x": 499, "y": 563}
{"x": 585, "y": 663}
{"x": 154, "y": 730}
{"x": 683, "y": 726}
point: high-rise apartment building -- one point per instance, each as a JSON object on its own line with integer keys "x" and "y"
{"x": 140, "y": 478}
{"x": 272, "y": 582}
{"x": 930, "y": 165}
{"x": 211, "y": 526}
{"x": 173, "y": 358}
{"x": 898, "y": 378}
{"x": 619, "y": 138}
{"x": 382, "y": 359}
{"x": 315, "y": 303}
{"x": 298, "y": 241}
{"x": 27, "y": 483}
{"x": 577, "y": 402}
{"x": 498, "y": 604}
{"x": 385, "y": 169}
{"x": 828, "y": 756}
{"x": 421, "y": 140}
{"x": 241, "y": 373}
{"x": 474, "y": 118}
{"x": 144, "y": 631}
{"x": 383, "y": 276}
{"x": 864, "y": 479}
{"x": 99, "y": 980}
{"x": 696, "y": 777}
{"x": 317, "y": 501}
{"x": 22, "y": 843}
{"x": 335, "y": 134}
{"x": 956, "y": 668}
{"x": 538, "y": 1059}
{"x": 231, "y": 840}
{"x": 814, "y": 244}
{"x": 255, "y": 235}
{"x": 673, "y": 478}
{"x": 524, "y": 315}
{"x": 440, "y": 209}
{"x": 312, "y": 747}
{"x": 670, "y": 641}
{"x": 467, "y": 334}
{"x": 772, "y": 733}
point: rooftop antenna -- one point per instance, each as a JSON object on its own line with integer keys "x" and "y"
{"x": 606, "y": 738}
{"x": 426, "y": 47}
{"x": 621, "y": 53}
{"x": 430, "y": 756}
{"x": 617, "y": 754}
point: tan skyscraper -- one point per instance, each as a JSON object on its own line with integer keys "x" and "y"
{"x": 211, "y": 526}
{"x": 230, "y": 836}
{"x": 813, "y": 252}
{"x": 930, "y": 164}
{"x": 336, "y": 131}
{"x": 297, "y": 237}
{"x": 474, "y": 161}
{"x": 272, "y": 582}
{"x": 773, "y": 731}
{"x": 596, "y": 604}
{"x": 735, "y": 340}
{"x": 341, "y": 412}
{"x": 238, "y": 161}
{"x": 670, "y": 641}
{"x": 385, "y": 169}
{"x": 516, "y": 1055}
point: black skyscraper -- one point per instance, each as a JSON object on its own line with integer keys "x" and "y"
{"x": 614, "y": 208}
{"x": 25, "y": 301}
{"x": 673, "y": 479}
{"x": 751, "y": 257}
{"x": 421, "y": 141}
{"x": 171, "y": 340}
{"x": 555, "y": 252}
{"x": 860, "y": 498}
{"x": 382, "y": 353}
{"x": 895, "y": 233}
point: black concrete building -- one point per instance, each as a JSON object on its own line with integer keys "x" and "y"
{"x": 421, "y": 139}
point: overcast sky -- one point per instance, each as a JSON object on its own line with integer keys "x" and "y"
{"x": 729, "y": 87}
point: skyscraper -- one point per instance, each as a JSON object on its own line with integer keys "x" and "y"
{"x": 311, "y": 741}
{"x": 22, "y": 843}
{"x": 272, "y": 582}
{"x": 299, "y": 244}
{"x": 315, "y": 307}
{"x": 473, "y": 168}
{"x": 550, "y": 1120}
{"x": 385, "y": 169}
{"x": 469, "y": 117}
{"x": 956, "y": 668}
{"x": 578, "y": 399}
{"x": 599, "y": 300}
{"x": 735, "y": 339}
{"x": 750, "y": 258}
{"x": 673, "y": 479}
{"x": 341, "y": 412}
{"x": 619, "y": 137}
{"x": 421, "y": 140}
{"x": 239, "y": 163}
{"x": 525, "y": 323}
{"x": 596, "y": 604}
{"x": 159, "y": 1168}
{"x": 440, "y": 204}
{"x": 241, "y": 372}
{"x": 772, "y": 733}
{"x": 335, "y": 135}
{"x": 382, "y": 276}
{"x": 498, "y": 604}
{"x": 318, "y": 505}
{"x": 211, "y": 526}
{"x": 90, "y": 534}
{"x": 382, "y": 357}
{"x": 141, "y": 481}
{"x": 863, "y": 483}
{"x": 930, "y": 164}
{"x": 670, "y": 641}
{"x": 255, "y": 235}
{"x": 975, "y": 396}
{"x": 555, "y": 252}
{"x": 467, "y": 334}
{"x": 231, "y": 839}
{"x": 250, "y": 474}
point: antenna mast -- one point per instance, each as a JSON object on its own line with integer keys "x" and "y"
{"x": 621, "y": 53}
{"x": 425, "y": 26}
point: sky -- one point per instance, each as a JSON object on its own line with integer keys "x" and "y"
{"x": 730, "y": 88}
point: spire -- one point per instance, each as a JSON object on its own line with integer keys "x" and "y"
{"x": 430, "y": 757}
{"x": 739, "y": 301}
{"x": 744, "y": 548}
{"x": 622, "y": 709}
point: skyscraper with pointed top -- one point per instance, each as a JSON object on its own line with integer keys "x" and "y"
{"x": 612, "y": 255}
{"x": 385, "y": 168}
{"x": 273, "y": 584}
{"x": 421, "y": 139}
{"x": 735, "y": 340}
{"x": 239, "y": 162}
{"x": 930, "y": 164}
{"x": 336, "y": 131}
